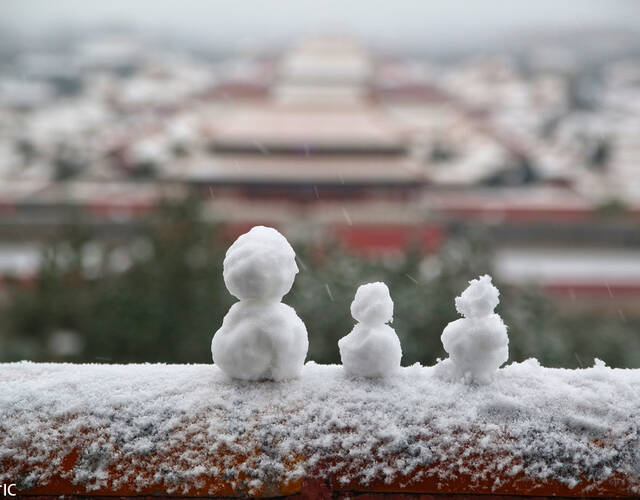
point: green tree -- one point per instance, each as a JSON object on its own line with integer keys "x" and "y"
{"x": 160, "y": 296}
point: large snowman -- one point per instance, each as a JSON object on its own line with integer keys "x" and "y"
{"x": 372, "y": 349}
{"x": 477, "y": 343}
{"x": 260, "y": 337}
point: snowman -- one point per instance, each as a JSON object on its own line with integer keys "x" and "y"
{"x": 260, "y": 337}
{"x": 372, "y": 349}
{"x": 477, "y": 343}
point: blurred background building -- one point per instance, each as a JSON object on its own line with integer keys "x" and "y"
{"x": 382, "y": 140}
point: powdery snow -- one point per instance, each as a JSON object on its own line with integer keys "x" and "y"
{"x": 188, "y": 429}
{"x": 478, "y": 343}
{"x": 260, "y": 338}
{"x": 372, "y": 349}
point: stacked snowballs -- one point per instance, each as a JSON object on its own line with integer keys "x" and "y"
{"x": 263, "y": 339}
{"x": 260, "y": 337}
{"x": 477, "y": 343}
{"x": 372, "y": 349}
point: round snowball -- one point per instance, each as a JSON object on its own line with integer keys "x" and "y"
{"x": 477, "y": 347}
{"x": 372, "y": 304}
{"x": 370, "y": 351}
{"x": 260, "y": 340}
{"x": 479, "y": 299}
{"x": 260, "y": 264}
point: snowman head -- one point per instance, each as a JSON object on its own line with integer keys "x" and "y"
{"x": 372, "y": 304}
{"x": 260, "y": 265}
{"x": 479, "y": 299}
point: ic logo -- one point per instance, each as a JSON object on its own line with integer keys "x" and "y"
{"x": 8, "y": 490}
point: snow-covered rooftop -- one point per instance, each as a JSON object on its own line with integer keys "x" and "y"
{"x": 369, "y": 169}
{"x": 187, "y": 429}
{"x": 336, "y": 126}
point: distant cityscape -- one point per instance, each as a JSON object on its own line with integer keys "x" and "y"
{"x": 329, "y": 139}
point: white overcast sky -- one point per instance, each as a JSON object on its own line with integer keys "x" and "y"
{"x": 421, "y": 23}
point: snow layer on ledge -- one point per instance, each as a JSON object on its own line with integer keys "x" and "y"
{"x": 169, "y": 425}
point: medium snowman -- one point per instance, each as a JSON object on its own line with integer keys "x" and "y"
{"x": 477, "y": 343}
{"x": 260, "y": 337}
{"x": 372, "y": 349}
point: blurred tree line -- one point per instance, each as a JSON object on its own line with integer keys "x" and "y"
{"x": 161, "y": 296}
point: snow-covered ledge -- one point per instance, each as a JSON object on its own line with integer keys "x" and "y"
{"x": 190, "y": 430}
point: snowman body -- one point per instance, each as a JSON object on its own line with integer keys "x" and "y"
{"x": 372, "y": 348}
{"x": 260, "y": 340}
{"x": 260, "y": 337}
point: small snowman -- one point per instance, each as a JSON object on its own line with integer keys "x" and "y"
{"x": 372, "y": 349}
{"x": 478, "y": 343}
{"x": 260, "y": 337}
